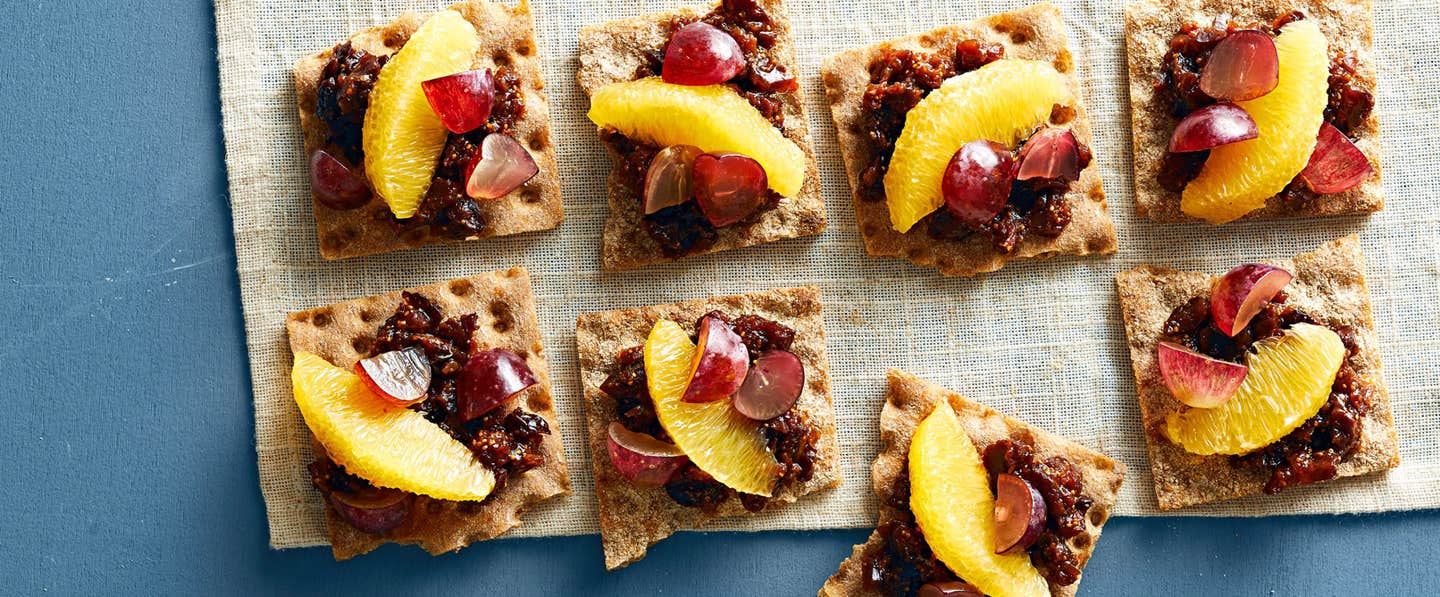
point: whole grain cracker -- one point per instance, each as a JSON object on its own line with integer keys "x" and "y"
{"x": 1149, "y": 25}
{"x": 507, "y": 38}
{"x": 1035, "y": 33}
{"x": 631, "y": 517}
{"x": 341, "y": 334}
{"x": 1329, "y": 284}
{"x": 611, "y": 53}
{"x": 908, "y": 402}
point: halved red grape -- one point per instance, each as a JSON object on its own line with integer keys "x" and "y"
{"x": 728, "y": 186}
{"x": 1242, "y": 291}
{"x": 1337, "y": 165}
{"x": 1211, "y": 127}
{"x": 977, "y": 181}
{"x": 462, "y": 100}
{"x": 720, "y": 362}
{"x": 398, "y": 376}
{"x": 701, "y": 54}
{"x": 1197, "y": 380}
{"x": 667, "y": 182}
{"x": 1052, "y": 154}
{"x": 952, "y": 588}
{"x": 1019, "y": 514}
{"x": 642, "y": 459}
{"x": 775, "y": 382}
{"x": 501, "y": 166}
{"x": 374, "y": 509}
{"x": 1243, "y": 66}
{"x": 336, "y": 185}
{"x": 489, "y": 379}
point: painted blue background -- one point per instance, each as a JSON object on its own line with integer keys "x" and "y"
{"x": 126, "y": 450}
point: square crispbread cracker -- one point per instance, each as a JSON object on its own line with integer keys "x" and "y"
{"x": 1149, "y": 25}
{"x": 341, "y": 333}
{"x": 631, "y": 517}
{"x": 1033, "y": 33}
{"x": 909, "y": 401}
{"x": 507, "y": 38}
{"x": 611, "y": 53}
{"x": 1329, "y": 284}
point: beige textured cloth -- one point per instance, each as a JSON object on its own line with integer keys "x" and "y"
{"x": 1040, "y": 341}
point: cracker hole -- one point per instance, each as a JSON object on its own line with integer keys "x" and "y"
{"x": 1097, "y": 194}
{"x": 333, "y": 242}
{"x": 1001, "y": 27}
{"x": 361, "y": 344}
{"x": 537, "y": 401}
{"x": 1064, "y": 62}
{"x": 538, "y": 140}
{"x": 321, "y": 319}
{"x": 367, "y": 316}
{"x": 530, "y": 195}
{"x": 502, "y": 59}
{"x": 460, "y": 287}
{"x": 1098, "y": 515}
{"x": 1082, "y": 542}
{"x": 524, "y": 48}
{"x": 1061, "y": 115}
{"x": 1019, "y": 38}
{"x": 916, "y": 254}
{"x": 394, "y": 38}
{"x": 870, "y": 229}
{"x": 504, "y": 319}
{"x": 945, "y": 263}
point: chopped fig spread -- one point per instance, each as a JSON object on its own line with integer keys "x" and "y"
{"x": 1311, "y": 452}
{"x": 905, "y": 561}
{"x": 899, "y": 79}
{"x": 1350, "y": 100}
{"x": 790, "y": 437}
{"x": 344, "y": 95}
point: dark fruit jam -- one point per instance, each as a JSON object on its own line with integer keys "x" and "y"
{"x": 1350, "y": 100}
{"x": 905, "y": 562}
{"x": 899, "y": 79}
{"x": 790, "y": 436}
{"x": 1311, "y": 452}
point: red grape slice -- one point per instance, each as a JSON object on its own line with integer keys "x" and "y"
{"x": 336, "y": 185}
{"x": 1019, "y": 514}
{"x": 1337, "y": 164}
{"x": 489, "y": 379}
{"x": 701, "y": 54}
{"x": 977, "y": 181}
{"x": 1211, "y": 127}
{"x": 667, "y": 182}
{"x": 373, "y": 510}
{"x": 1243, "y": 66}
{"x": 501, "y": 167}
{"x": 642, "y": 459}
{"x": 719, "y": 365}
{"x": 1052, "y": 154}
{"x": 728, "y": 187}
{"x": 953, "y": 588}
{"x": 398, "y": 376}
{"x": 462, "y": 100}
{"x": 774, "y": 384}
{"x": 1242, "y": 291}
{"x": 1197, "y": 380}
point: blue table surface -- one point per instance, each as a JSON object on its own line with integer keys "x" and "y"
{"x": 128, "y": 456}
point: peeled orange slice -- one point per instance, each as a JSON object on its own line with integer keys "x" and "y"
{"x": 388, "y": 445}
{"x": 711, "y": 117}
{"x": 1289, "y": 380}
{"x": 717, "y": 438}
{"x": 1002, "y": 102}
{"x": 402, "y": 136}
{"x": 950, "y": 495}
{"x": 1239, "y": 177}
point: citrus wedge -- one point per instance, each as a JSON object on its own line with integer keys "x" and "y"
{"x": 717, "y": 438}
{"x": 1002, "y": 102}
{"x": 711, "y": 117}
{"x": 1239, "y": 177}
{"x": 402, "y": 136}
{"x": 1289, "y": 380}
{"x": 388, "y": 445}
{"x": 950, "y": 495}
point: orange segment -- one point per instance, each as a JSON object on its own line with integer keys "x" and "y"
{"x": 1239, "y": 177}
{"x": 950, "y": 495}
{"x": 1289, "y": 380}
{"x": 716, "y": 437}
{"x": 1002, "y": 102}
{"x": 711, "y": 117}
{"x": 388, "y": 445}
{"x": 402, "y": 136}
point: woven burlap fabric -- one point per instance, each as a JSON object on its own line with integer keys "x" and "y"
{"x": 1039, "y": 340}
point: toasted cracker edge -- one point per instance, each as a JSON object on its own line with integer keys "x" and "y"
{"x": 340, "y": 333}
{"x": 633, "y": 518}
{"x": 1329, "y": 284}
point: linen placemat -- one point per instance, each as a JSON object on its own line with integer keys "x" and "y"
{"x": 1040, "y": 340}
